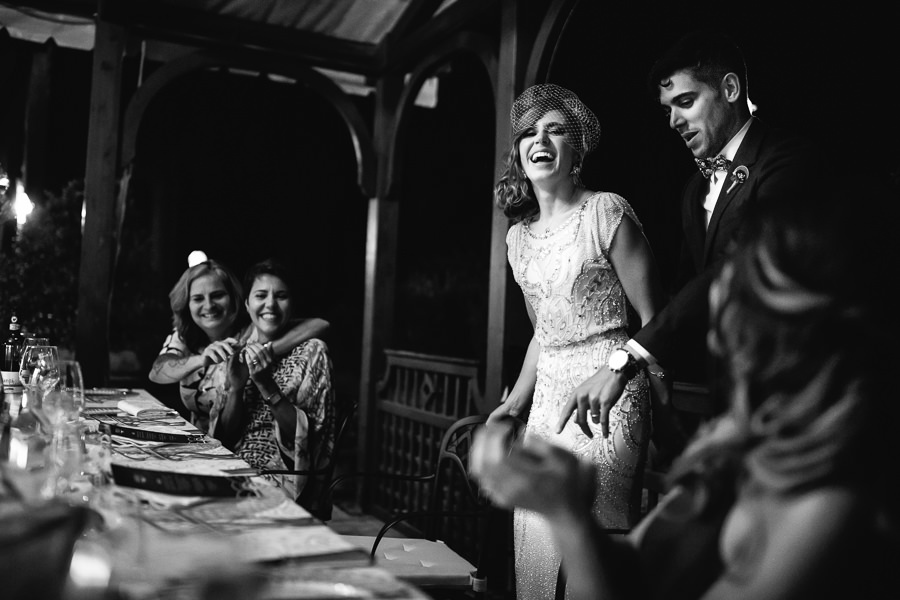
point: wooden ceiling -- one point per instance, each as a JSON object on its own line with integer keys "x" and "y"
{"x": 367, "y": 37}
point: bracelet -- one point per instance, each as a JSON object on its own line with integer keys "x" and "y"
{"x": 659, "y": 374}
{"x": 268, "y": 399}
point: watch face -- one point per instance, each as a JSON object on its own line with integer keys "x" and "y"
{"x": 618, "y": 359}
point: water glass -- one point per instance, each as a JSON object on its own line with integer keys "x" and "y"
{"x": 65, "y": 461}
{"x": 60, "y": 408}
{"x": 72, "y": 383}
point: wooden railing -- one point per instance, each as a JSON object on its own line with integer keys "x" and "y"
{"x": 417, "y": 399}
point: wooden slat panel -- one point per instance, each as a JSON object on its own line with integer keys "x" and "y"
{"x": 418, "y": 399}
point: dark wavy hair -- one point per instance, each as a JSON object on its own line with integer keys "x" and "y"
{"x": 513, "y": 193}
{"x": 179, "y": 300}
{"x": 707, "y": 55}
{"x": 273, "y": 267}
{"x": 805, "y": 333}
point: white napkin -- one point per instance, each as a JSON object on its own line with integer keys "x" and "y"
{"x": 143, "y": 407}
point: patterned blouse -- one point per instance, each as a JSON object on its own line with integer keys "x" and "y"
{"x": 198, "y": 390}
{"x": 304, "y": 377}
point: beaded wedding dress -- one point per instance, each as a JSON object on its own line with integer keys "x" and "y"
{"x": 581, "y": 314}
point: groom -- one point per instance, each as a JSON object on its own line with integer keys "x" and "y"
{"x": 743, "y": 164}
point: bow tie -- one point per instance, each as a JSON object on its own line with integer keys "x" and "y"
{"x": 708, "y": 166}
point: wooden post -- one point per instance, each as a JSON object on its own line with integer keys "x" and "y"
{"x": 381, "y": 259}
{"x": 35, "y": 167}
{"x": 509, "y": 71}
{"x": 98, "y": 245}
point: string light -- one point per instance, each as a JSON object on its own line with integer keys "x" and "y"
{"x": 196, "y": 257}
{"x": 22, "y": 206}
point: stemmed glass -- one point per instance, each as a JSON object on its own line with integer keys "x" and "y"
{"x": 39, "y": 369}
{"x": 39, "y": 373}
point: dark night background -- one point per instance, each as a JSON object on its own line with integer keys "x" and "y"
{"x": 245, "y": 168}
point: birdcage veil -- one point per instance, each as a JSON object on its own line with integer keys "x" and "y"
{"x": 582, "y": 129}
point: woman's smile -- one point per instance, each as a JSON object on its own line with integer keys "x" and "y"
{"x": 269, "y": 306}
{"x": 211, "y": 306}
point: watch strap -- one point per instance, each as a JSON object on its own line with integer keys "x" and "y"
{"x": 273, "y": 399}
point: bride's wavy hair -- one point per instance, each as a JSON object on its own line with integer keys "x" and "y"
{"x": 513, "y": 192}
{"x": 803, "y": 331}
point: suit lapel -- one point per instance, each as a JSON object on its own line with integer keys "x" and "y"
{"x": 747, "y": 156}
{"x": 695, "y": 223}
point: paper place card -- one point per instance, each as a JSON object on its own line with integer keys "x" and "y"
{"x": 144, "y": 407}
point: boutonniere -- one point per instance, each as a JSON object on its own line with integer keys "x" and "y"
{"x": 739, "y": 175}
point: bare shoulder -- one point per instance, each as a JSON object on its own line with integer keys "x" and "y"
{"x": 778, "y": 546}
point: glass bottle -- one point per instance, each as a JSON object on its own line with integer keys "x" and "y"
{"x": 12, "y": 354}
{"x": 5, "y": 430}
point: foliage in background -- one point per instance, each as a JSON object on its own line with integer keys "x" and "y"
{"x": 39, "y": 278}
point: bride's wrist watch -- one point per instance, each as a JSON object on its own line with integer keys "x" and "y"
{"x": 622, "y": 361}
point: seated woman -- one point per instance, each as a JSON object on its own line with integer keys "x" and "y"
{"x": 791, "y": 493}
{"x": 283, "y": 417}
{"x": 208, "y": 316}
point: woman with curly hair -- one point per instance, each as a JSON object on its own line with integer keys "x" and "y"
{"x": 582, "y": 261}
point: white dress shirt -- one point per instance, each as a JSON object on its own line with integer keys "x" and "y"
{"x": 717, "y": 179}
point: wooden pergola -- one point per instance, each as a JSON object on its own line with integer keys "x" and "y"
{"x": 513, "y": 41}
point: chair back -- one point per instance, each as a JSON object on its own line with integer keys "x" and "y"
{"x": 452, "y": 488}
{"x": 316, "y": 496}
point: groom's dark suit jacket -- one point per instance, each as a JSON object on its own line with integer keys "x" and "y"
{"x": 780, "y": 167}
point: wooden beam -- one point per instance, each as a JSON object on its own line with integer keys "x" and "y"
{"x": 98, "y": 243}
{"x": 205, "y": 29}
{"x": 509, "y": 74}
{"x": 36, "y": 162}
{"x": 476, "y": 44}
{"x": 399, "y": 51}
{"x": 76, "y": 8}
{"x": 263, "y": 63}
{"x": 543, "y": 51}
{"x": 381, "y": 267}
{"x": 417, "y": 13}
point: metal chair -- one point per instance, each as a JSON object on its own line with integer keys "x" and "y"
{"x": 427, "y": 561}
{"x": 316, "y": 494}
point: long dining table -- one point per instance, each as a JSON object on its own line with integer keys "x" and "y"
{"x": 184, "y": 517}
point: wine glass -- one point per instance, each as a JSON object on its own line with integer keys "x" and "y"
{"x": 39, "y": 373}
{"x": 71, "y": 382}
{"x": 40, "y": 368}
